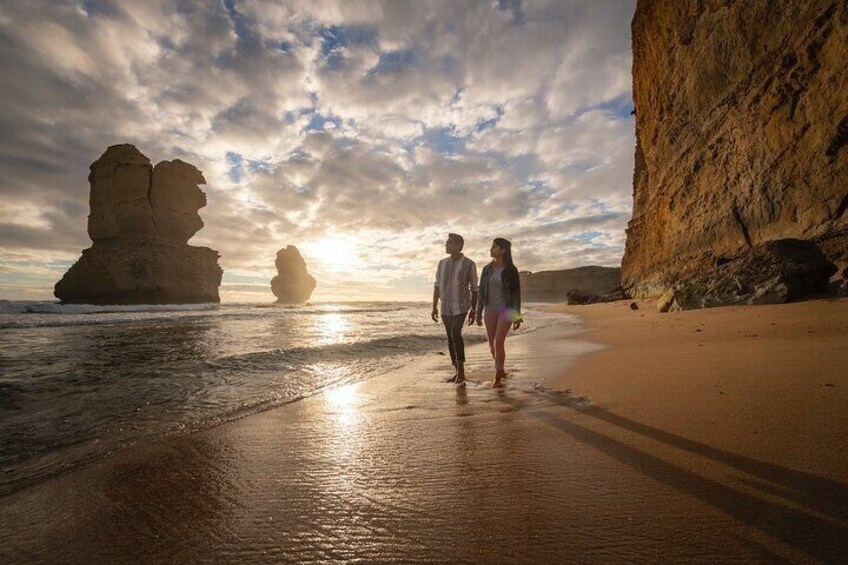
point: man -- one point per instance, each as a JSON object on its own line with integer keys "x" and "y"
{"x": 456, "y": 286}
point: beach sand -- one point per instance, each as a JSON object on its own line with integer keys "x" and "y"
{"x": 664, "y": 450}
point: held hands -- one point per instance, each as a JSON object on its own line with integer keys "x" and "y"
{"x": 479, "y": 321}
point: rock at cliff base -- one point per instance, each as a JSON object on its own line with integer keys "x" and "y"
{"x": 775, "y": 272}
{"x": 578, "y": 297}
{"x": 839, "y": 283}
{"x": 140, "y": 221}
{"x": 293, "y": 284}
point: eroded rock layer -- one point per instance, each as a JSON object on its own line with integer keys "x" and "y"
{"x": 742, "y": 133}
{"x": 140, "y": 222}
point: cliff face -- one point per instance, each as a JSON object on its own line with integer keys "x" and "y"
{"x": 742, "y": 133}
{"x": 292, "y": 284}
{"x": 140, "y": 222}
{"x": 553, "y": 286}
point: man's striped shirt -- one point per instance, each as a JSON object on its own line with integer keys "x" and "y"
{"x": 456, "y": 280}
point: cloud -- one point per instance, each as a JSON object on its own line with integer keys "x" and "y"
{"x": 386, "y": 122}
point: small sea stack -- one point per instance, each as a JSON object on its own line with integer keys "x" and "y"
{"x": 140, "y": 221}
{"x": 293, "y": 284}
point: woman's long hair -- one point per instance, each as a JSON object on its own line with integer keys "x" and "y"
{"x": 507, "y": 247}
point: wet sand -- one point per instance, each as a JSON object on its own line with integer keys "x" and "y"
{"x": 404, "y": 468}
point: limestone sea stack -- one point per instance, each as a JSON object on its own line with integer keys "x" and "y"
{"x": 140, "y": 222}
{"x": 293, "y": 284}
{"x": 742, "y": 139}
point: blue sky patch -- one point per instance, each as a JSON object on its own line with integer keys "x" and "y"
{"x": 443, "y": 140}
{"x": 284, "y": 46}
{"x": 318, "y": 122}
{"x": 588, "y": 235}
{"x": 621, "y": 106}
{"x": 236, "y": 163}
{"x": 490, "y": 123}
{"x": 240, "y": 23}
{"x": 394, "y": 62}
{"x": 336, "y": 37}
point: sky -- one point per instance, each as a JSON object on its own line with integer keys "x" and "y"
{"x": 360, "y": 131}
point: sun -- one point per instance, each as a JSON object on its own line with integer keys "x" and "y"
{"x": 336, "y": 253}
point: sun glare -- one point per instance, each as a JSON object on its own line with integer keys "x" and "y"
{"x": 335, "y": 253}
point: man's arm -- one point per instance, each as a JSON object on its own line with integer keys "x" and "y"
{"x": 435, "y": 312}
{"x": 473, "y": 285}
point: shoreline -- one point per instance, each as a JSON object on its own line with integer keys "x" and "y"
{"x": 404, "y": 468}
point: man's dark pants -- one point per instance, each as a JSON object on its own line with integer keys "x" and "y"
{"x": 453, "y": 327}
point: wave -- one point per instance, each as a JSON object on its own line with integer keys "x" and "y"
{"x": 297, "y": 357}
{"x": 48, "y": 307}
{"x": 325, "y": 310}
{"x": 25, "y": 314}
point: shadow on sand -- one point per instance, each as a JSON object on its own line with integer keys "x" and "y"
{"x": 814, "y": 520}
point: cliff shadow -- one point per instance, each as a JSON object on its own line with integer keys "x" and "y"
{"x": 818, "y": 528}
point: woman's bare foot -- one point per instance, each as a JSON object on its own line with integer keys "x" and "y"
{"x": 499, "y": 377}
{"x": 451, "y": 379}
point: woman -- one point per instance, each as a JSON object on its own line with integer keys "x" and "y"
{"x": 500, "y": 296}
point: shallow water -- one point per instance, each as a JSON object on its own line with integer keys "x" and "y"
{"x": 77, "y": 382}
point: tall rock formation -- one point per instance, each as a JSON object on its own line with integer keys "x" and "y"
{"x": 742, "y": 133}
{"x": 293, "y": 284}
{"x": 554, "y": 286}
{"x": 140, "y": 222}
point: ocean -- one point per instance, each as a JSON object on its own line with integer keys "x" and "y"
{"x": 79, "y": 381}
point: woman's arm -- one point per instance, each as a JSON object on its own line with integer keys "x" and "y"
{"x": 481, "y": 294}
{"x": 517, "y": 300}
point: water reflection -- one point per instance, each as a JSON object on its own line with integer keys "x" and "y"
{"x": 344, "y": 403}
{"x": 331, "y": 327}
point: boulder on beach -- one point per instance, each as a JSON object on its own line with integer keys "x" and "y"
{"x": 293, "y": 284}
{"x": 140, "y": 221}
{"x": 775, "y": 272}
{"x": 839, "y": 283}
{"x": 577, "y": 296}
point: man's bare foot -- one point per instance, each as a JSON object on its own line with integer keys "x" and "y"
{"x": 451, "y": 379}
{"x": 497, "y": 383}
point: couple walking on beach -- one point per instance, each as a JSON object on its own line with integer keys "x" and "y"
{"x": 496, "y": 300}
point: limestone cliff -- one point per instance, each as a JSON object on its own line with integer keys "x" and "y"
{"x": 293, "y": 284}
{"x": 742, "y": 133}
{"x": 553, "y": 286}
{"x": 140, "y": 222}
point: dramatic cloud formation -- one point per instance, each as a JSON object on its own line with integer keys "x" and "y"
{"x": 370, "y": 128}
